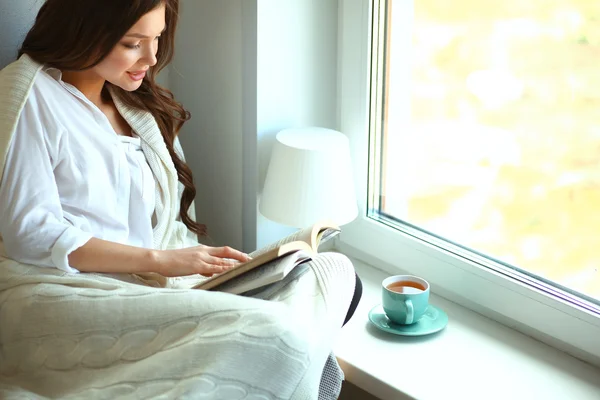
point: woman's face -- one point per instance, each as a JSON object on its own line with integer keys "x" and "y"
{"x": 127, "y": 63}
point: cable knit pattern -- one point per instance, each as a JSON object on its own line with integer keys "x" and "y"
{"x": 76, "y": 336}
{"x": 84, "y": 336}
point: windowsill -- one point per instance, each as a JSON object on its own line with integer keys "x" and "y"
{"x": 472, "y": 358}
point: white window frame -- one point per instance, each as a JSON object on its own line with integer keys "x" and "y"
{"x": 558, "y": 323}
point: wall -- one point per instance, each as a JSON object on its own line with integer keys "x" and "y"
{"x": 297, "y": 78}
{"x": 206, "y": 76}
{"x": 16, "y": 17}
{"x": 247, "y": 69}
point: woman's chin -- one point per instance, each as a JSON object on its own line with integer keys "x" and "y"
{"x": 130, "y": 86}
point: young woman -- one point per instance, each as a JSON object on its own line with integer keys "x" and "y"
{"x": 96, "y": 210}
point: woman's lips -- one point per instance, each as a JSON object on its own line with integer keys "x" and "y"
{"x": 137, "y": 76}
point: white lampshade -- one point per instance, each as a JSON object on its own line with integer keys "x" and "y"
{"x": 309, "y": 178}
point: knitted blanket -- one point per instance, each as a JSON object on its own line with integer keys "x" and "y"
{"x": 82, "y": 336}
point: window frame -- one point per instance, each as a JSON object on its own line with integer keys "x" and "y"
{"x": 573, "y": 329}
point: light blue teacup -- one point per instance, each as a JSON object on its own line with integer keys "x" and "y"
{"x": 405, "y": 298}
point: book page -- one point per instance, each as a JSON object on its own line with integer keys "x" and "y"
{"x": 326, "y": 235}
{"x": 302, "y": 235}
{"x": 270, "y": 272}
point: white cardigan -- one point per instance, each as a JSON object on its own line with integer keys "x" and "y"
{"x": 81, "y": 336}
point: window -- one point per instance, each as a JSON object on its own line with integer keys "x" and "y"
{"x": 477, "y": 145}
{"x": 491, "y": 135}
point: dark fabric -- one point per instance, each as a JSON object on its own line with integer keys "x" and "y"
{"x": 358, "y": 289}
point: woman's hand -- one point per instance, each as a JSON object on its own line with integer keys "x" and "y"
{"x": 203, "y": 260}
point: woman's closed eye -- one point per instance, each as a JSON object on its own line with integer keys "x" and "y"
{"x": 138, "y": 45}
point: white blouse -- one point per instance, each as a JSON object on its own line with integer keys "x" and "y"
{"x": 69, "y": 177}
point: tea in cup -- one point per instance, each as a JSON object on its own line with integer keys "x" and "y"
{"x": 405, "y": 298}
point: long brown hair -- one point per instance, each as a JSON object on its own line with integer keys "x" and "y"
{"x": 75, "y": 35}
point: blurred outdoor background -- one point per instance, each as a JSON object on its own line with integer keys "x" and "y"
{"x": 500, "y": 147}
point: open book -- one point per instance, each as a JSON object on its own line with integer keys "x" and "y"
{"x": 274, "y": 262}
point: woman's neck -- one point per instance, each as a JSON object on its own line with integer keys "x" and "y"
{"x": 88, "y": 83}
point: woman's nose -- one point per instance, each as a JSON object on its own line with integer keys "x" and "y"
{"x": 150, "y": 56}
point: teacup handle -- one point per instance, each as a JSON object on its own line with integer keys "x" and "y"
{"x": 410, "y": 311}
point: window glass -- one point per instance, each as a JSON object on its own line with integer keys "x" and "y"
{"x": 490, "y": 131}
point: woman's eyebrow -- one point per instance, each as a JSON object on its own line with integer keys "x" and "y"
{"x": 139, "y": 35}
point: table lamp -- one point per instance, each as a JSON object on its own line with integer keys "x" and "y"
{"x": 309, "y": 179}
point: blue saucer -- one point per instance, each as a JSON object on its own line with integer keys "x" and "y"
{"x": 434, "y": 320}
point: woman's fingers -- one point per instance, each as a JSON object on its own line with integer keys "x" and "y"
{"x": 210, "y": 270}
{"x": 218, "y": 262}
{"x": 228, "y": 252}
{"x": 212, "y": 265}
{"x": 208, "y": 261}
